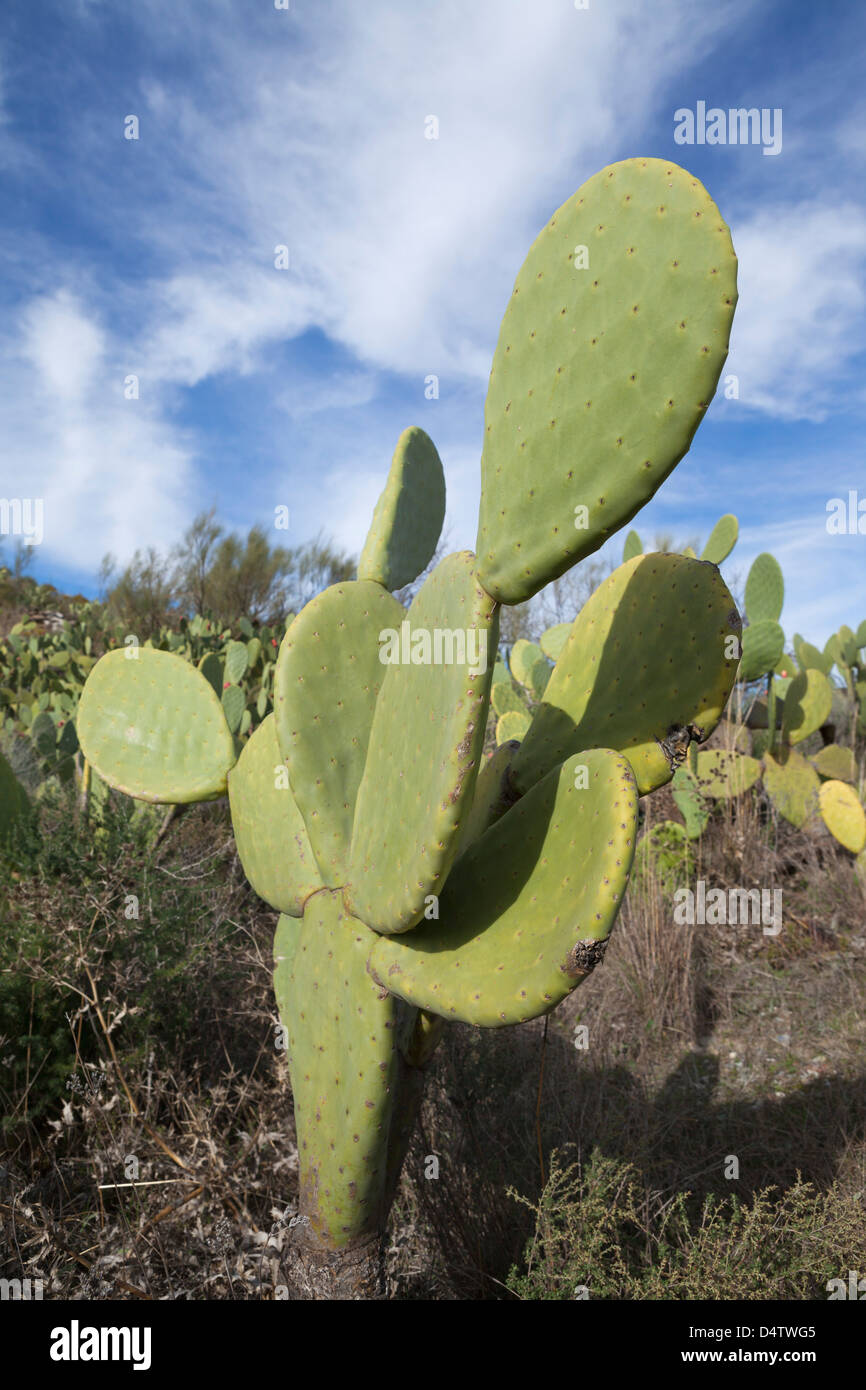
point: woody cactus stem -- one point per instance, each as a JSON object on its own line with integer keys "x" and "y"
{"x": 410, "y": 892}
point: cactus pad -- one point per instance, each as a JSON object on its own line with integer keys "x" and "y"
{"x": 505, "y": 700}
{"x": 843, "y": 815}
{"x": 765, "y": 590}
{"x": 152, "y": 726}
{"x": 808, "y": 701}
{"x": 723, "y": 538}
{"x": 644, "y": 670}
{"x": 409, "y": 514}
{"x": 835, "y": 763}
{"x": 425, "y": 749}
{"x": 524, "y": 660}
{"x": 608, "y": 357}
{"x": 633, "y": 546}
{"x": 792, "y": 785}
{"x": 689, "y": 802}
{"x": 328, "y": 678}
{"x": 763, "y": 644}
{"x": 528, "y": 908}
{"x": 511, "y": 726}
{"x": 494, "y": 794}
{"x": 723, "y": 774}
{"x": 270, "y": 835}
{"x": 554, "y": 639}
{"x": 343, "y": 1059}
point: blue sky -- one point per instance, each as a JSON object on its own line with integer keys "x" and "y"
{"x": 261, "y": 127}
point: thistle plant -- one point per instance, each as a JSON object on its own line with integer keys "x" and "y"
{"x": 413, "y": 886}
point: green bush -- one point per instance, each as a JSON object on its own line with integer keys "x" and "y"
{"x": 597, "y": 1229}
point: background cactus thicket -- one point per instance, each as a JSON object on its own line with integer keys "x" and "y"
{"x": 799, "y": 738}
{"x": 414, "y": 887}
{"x": 722, "y": 540}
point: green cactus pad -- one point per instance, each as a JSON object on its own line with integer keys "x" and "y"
{"x": 512, "y": 725}
{"x": 286, "y": 939}
{"x": 344, "y": 1065}
{"x": 843, "y": 815}
{"x": 689, "y": 802}
{"x": 494, "y": 794}
{"x": 765, "y": 590}
{"x": 792, "y": 785}
{"x": 835, "y": 763}
{"x": 505, "y": 700}
{"x": 722, "y": 774}
{"x": 425, "y": 750}
{"x": 808, "y": 701}
{"x": 236, "y": 661}
{"x": 833, "y": 652}
{"x": 603, "y": 371}
{"x": 763, "y": 644}
{"x": 409, "y": 514}
{"x": 723, "y": 538}
{"x": 554, "y": 639}
{"x": 328, "y": 678}
{"x": 528, "y": 908}
{"x": 152, "y": 726}
{"x": 848, "y": 644}
{"x": 270, "y": 835}
{"x": 633, "y": 546}
{"x": 810, "y": 658}
{"x": 525, "y": 657}
{"x": 233, "y": 702}
{"x": 644, "y": 663}
{"x": 211, "y": 668}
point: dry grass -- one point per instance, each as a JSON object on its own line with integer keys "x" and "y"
{"x": 703, "y": 1043}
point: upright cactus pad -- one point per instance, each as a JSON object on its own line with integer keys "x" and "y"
{"x": 763, "y": 645}
{"x": 608, "y": 357}
{"x": 723, "y": 538}
{"x": 270, "y": 833}
{"x": 765, "y": 590}
{"x": 343, "y": 1058}
{"x": 409, "y": 514}
{"x": 425, "y": 748}
{"x": 792, "y": 785}
{"x": 327, "y": 682}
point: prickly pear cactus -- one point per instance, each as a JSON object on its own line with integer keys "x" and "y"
{"x": 410, "y": 889}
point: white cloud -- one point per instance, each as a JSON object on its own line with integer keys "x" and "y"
{"x": 111, "y": 473}
{"x": 307, "y": 128}
{"x": 798, "y": 325}
{"x": 403, "y": 249}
